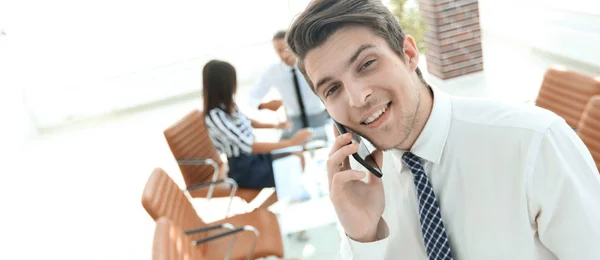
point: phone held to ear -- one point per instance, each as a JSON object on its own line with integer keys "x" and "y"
{"x": 362, "y": 156}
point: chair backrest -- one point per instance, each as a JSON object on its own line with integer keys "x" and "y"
{"x": 171, "y": 243}
{"x": 566, "y": 93}
{"x": 589, "y": 128}
{"x": 188, "y": 139}
{"x": 162, "y": 197}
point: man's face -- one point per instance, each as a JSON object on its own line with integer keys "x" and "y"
{"x": 285, "y": 55}
{"x": 366, "y": 86}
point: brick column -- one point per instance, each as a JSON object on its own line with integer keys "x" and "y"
{"x": 453, "y": 37}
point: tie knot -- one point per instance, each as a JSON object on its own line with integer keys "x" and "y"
{"x": 411, "y": 160}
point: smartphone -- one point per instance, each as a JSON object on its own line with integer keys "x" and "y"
{"x": 362, "y": 156}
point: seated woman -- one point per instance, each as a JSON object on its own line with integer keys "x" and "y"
{"x": 250, "y": 162}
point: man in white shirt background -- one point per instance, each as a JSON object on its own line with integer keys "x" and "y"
{"x": 303, "y": 108}
{"x": 462, "y": 178}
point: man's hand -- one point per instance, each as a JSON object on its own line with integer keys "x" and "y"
{"x": 301, "y": 137}
{"x": 358, "y": 205}
{"x": 287, "y": 125}
{"x": 272, "y": 105}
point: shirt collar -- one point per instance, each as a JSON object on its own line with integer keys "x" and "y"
{"x": 286, "y": 67}
{"x": 430, "y": 143}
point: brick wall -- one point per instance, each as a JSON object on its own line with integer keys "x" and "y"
{"x": 453, "y": 37}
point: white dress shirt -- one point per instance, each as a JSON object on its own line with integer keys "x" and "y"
{"x": 279, "y": 76}
{"x": 513, "y": 182}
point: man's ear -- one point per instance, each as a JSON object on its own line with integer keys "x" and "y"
{"x": 411, "y": 52}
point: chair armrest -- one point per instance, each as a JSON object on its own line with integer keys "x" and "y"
{"x": 209, "y": 228}
{"x": 203, "y": 161}
{"x": 197, "y": 161}
{"x": 232, "y": 232}
{"x": 230, "y": 181}
{"x": 209, "y": 183}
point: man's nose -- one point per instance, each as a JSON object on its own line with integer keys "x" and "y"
{"x": 358, "y": 93}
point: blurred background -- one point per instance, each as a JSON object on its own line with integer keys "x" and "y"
{"x": 88, "y": 87}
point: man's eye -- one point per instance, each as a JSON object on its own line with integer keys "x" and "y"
{"x": 332, "y": 90}
{"x": 367, "y": 64}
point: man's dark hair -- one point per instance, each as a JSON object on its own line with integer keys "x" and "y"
{"x": 219, "y": 84}
{"x": 322, "y": 18}
{"x": 280, "y": 35}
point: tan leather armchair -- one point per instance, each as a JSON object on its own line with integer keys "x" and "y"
{"x": 588, "y": 128}
{"x": 163, "y": 198}
{"x": 172, "y": 243}
{"x": 566, "y": 93}
{"x": 198, "y": 159}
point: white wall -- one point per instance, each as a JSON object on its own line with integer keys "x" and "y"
{"x": 17, "y": 125}
{"x": 566, "y": 29}
{"x": 82, "y": 58}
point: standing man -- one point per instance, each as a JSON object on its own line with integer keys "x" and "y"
{"x": 303, "y": 108}
{"x": 462, "y": 178}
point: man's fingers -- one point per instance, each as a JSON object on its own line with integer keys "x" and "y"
{"x": 339, "y": 158}
{"x": 339, "y": 142}
{"x": 341, "y": 178}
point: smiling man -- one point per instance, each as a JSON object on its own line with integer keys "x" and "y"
{"x": 462, "y": 178}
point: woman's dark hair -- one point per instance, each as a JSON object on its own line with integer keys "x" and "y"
{"x": 219, "y": 84}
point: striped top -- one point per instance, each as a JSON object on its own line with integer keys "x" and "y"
{"x": 231, "y": 134}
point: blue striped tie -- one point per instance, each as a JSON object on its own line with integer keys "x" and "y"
{"x": 432, "y": 226}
